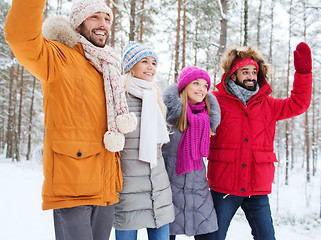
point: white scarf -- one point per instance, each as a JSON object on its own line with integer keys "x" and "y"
{"x": 151, "y": 120}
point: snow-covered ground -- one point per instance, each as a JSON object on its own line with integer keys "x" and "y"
{"x": 21, "y": 217}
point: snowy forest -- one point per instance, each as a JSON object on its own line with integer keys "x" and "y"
{"x": 188, "y": 32}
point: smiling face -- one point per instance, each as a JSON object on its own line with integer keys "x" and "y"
{"x": 96, "y": 29}
{"x": 145, "y": 69}
{"x": 197, "y": 90}
{"x": 246, "y": 77}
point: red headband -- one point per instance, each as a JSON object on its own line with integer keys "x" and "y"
{"x": 240, "y": 62}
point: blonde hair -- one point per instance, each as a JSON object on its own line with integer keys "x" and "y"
{"x": 126, "y": 79}
{"x": 181, "y": 122}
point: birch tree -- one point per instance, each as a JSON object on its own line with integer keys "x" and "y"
{"x": 142, "y": 22}
{"x": 287, "y": 133}
{"x": 30, "y": 123}
{"x": 113, "y": 26}
{"x": 259, "y": 18}
{"x": 184, "y": 34}
{"x": 132, "y": 20}
{"x": 222, "y": 6}
{"x": 178, "y": 27}
{"x": 246, "y": 22}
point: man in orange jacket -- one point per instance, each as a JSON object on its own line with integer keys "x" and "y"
{"x": 86, "y": 113}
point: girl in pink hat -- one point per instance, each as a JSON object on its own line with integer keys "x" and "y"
{"x": 193, "y": 115}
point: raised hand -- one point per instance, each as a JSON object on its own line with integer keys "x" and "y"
{"x": 302, "y": 58}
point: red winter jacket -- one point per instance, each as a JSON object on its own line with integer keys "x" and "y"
{"x": 241, "y": 157}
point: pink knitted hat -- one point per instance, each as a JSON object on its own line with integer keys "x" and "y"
{"x": 82, "y": 9}
{"x": 191, "y": 73}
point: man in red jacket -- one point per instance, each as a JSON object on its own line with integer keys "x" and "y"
{"x": 241, "y": 159}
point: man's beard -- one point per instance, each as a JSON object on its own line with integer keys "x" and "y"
{"x": 96, "y": 42}
{"x": 242, "y": 84}
{"x": 90, "y": 36}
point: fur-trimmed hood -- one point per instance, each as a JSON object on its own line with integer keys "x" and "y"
{"x": 243, "y": 52}
{"x": 174, "y": 106}
{"x": 58, "y": 28}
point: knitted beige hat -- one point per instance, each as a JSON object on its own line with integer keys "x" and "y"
{"x": 82, "y": 9}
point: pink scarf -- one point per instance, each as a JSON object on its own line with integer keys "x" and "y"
{"x": 194, "y": 144}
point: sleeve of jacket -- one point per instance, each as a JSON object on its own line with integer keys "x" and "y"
{"x": 215, "y": 112}
{"x": 299, "y": 100}
{"x": 23, "y": 33}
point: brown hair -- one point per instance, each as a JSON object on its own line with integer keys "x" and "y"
{"x": 234, "y": 52}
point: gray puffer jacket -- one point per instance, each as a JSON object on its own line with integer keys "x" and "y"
{"x": 146, "y": 198}
{"x": 194, "y": 209}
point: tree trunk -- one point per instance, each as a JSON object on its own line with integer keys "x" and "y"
{"x": 15, "y": 146}
{"x": 3, "y": 120}
{"x": 177, "y": 40}
{"x": 21, "y": 100}
{"x": 196, "y": 44}
{"x": 132, "y": 20}
{"x": 184, "y": 35}
{"x": 307, "y": 127}
{"x": 30, "y": 118}
{"x": 223, "y": 33}
{"x": 258, "y": 40}
{"x": 271, "y": 42}
{"x": 18, "y": 132}
{"x": 113, "y": 27}
{"x": 241, "y": 23}
{"x": 287, "y": 134}
{"x": 246, "y": 11}
{"x": 10, "y": 135}
{"x": 314, "y": 134}
{"x": 142, "y": 22}
{"x": 292, "y": 143}
{"x": 307, "y": 144}
{"x": 287, "y": 152}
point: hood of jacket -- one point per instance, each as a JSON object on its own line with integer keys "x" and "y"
{"x": 58, "y": 28}
{"x": 174, "y": 106}
{"x": 243, "y": 52}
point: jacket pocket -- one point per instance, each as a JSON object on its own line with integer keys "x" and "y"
{"x": 77, "y": 168}
{"x": 264, "y": 169}
{"x": 221, "y": 169}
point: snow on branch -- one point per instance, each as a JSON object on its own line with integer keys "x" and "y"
{"x": 222, "y": 14}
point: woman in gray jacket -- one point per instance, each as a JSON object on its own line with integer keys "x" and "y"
{"x": 146, "y": 198}
{"x": 193, "y": 115}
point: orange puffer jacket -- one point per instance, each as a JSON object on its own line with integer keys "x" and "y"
{"x": 78, "y": 170}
